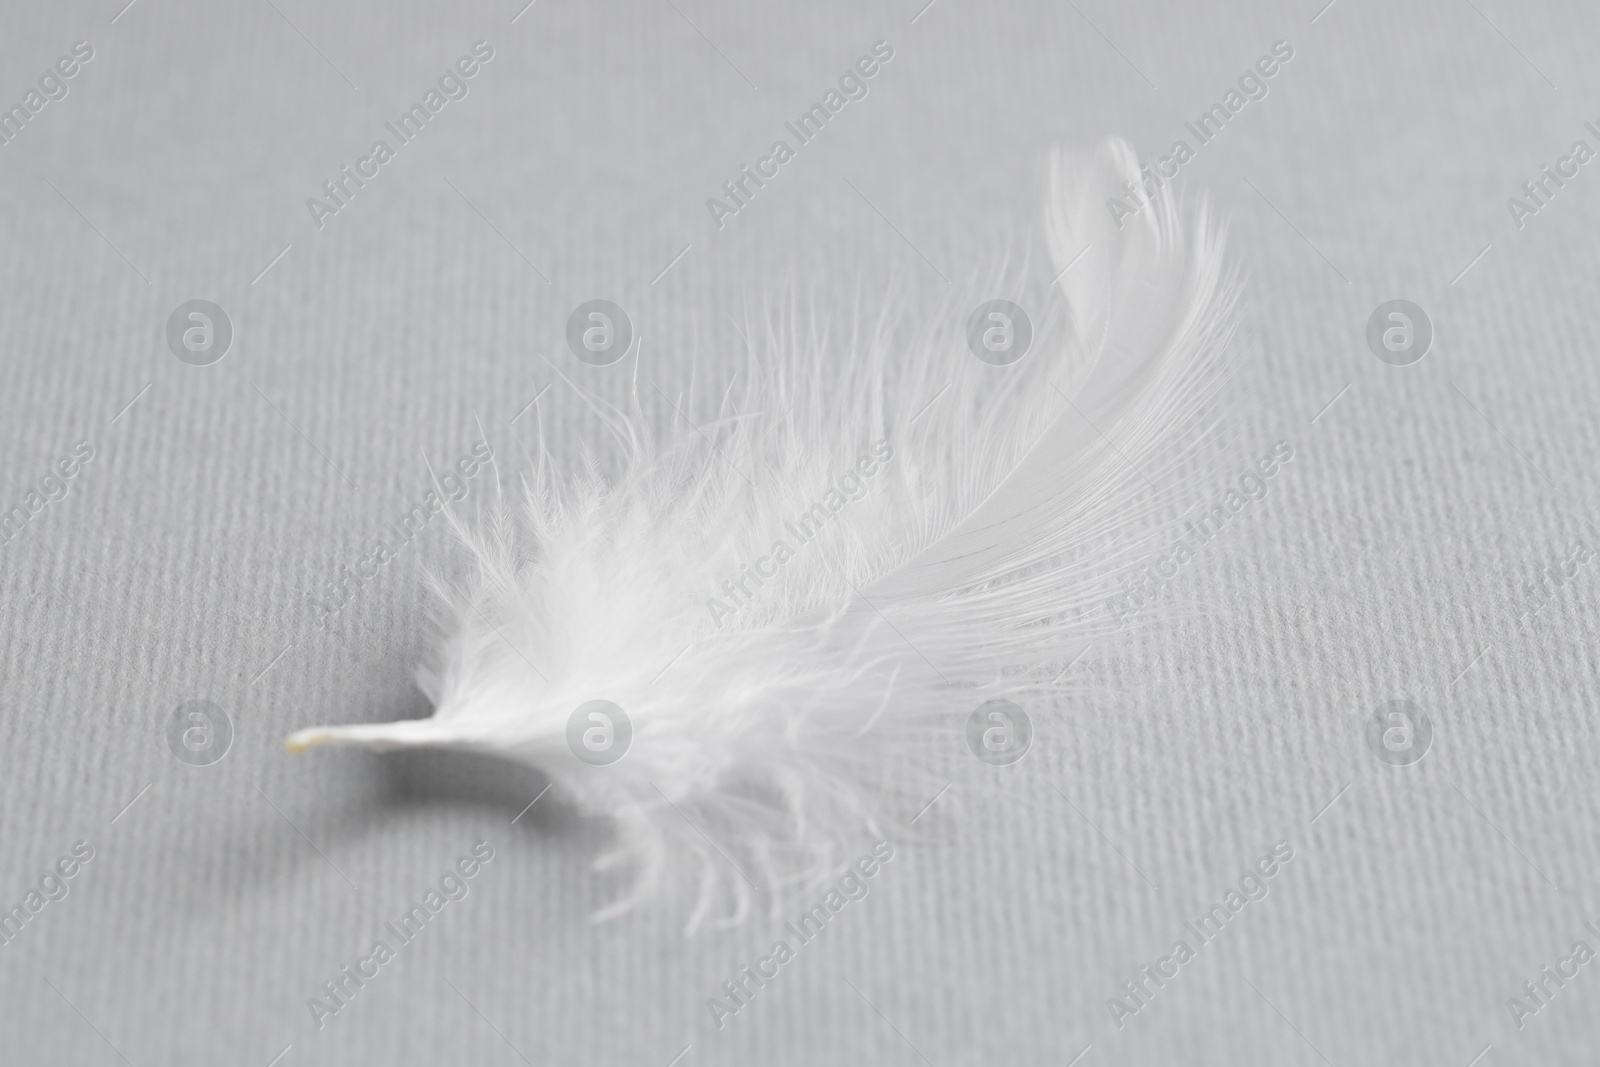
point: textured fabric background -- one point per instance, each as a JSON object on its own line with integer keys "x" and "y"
{"x": 1388, "y": 560}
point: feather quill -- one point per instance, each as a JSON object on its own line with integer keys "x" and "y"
{"x": 950, "y": 528}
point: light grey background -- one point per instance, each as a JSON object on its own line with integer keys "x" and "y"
{"x": 1387, "y": 561}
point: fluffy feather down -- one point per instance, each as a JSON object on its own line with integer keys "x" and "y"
{"x": 1002, "y": 501}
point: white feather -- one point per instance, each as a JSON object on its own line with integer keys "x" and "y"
{"x": 764, "y": 740}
